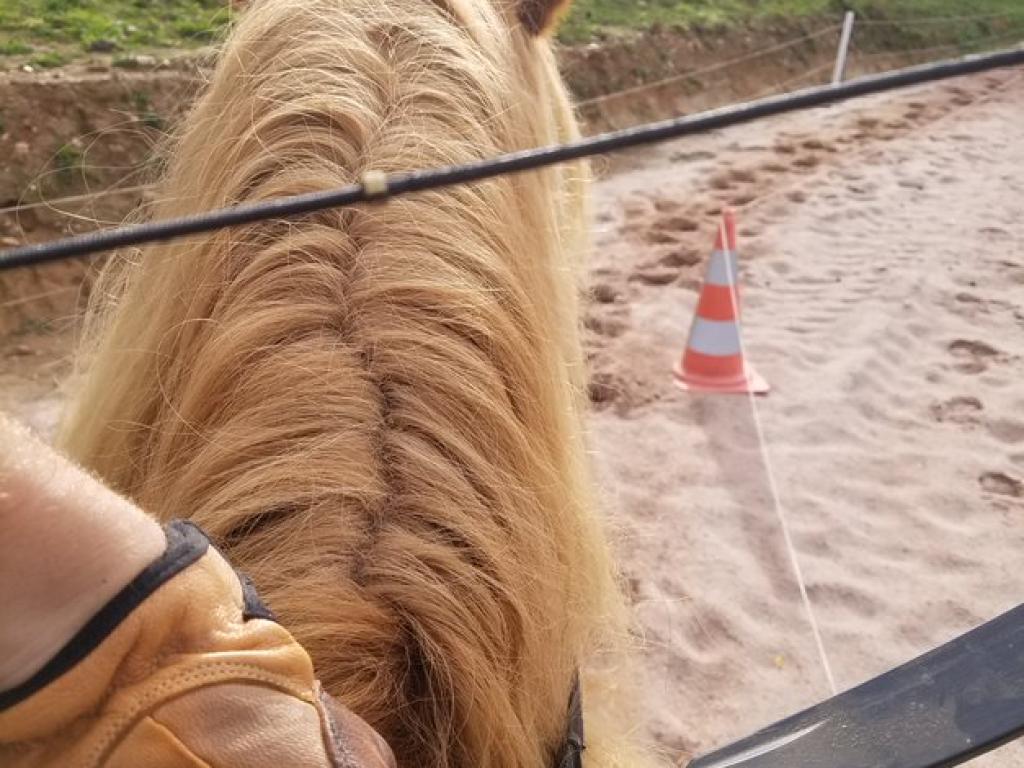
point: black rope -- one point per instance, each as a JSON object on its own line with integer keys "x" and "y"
{"x": 416, "y": 181}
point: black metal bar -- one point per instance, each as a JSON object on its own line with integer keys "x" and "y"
{"x": 405, "y": 183}
{"x": 941, "y": 709}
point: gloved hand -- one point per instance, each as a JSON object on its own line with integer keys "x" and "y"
{"x": 183, "y": 667}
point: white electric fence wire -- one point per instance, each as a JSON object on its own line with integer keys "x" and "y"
{"x": 808, "y": 76}
{"x": 770, "y": 472}
{"x": 713, "y": 68}
{"x": 910, "y": 21}
{"x": 1006, "y": 36}
{"x": 37, "y": 296}
{"x": 53, "y": 203}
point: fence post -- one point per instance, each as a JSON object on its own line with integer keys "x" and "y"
{"x": 844, "y": 48}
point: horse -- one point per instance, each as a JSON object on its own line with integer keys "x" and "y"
{"x": 376, "y": 412}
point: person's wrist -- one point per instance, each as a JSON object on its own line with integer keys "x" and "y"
{"x": 67, "y": 546}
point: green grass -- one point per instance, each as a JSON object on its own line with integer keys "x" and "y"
{"x": 50, "y": 59}
{"x": 58, "y": 30}
{"x": 591, "y": 19}
{"x": 73, "y": 27}
{"x": 143, "y": 107}
{"x": 14, "y": 48}
{"x": 69, "y": 162}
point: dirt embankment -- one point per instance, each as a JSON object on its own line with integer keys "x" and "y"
{"x": 75, "y": 132}
{"x": 616, "y": 81}
{"x": 64, "y": 131}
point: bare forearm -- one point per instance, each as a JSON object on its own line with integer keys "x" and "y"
{"x": 67, "y": 546}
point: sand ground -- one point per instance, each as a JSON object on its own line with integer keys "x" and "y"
{"x": 883, "y": 276}
{"x": 883, "y": 269}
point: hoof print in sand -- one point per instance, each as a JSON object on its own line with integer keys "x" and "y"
{"x": 669, "y": 229}
{"x": 743, "y": 175}
{"x": 666, "y": 205}
{"x": 721, "y": 181}
{"x": 958, "y": 410}
{"x": 659, "y": 236}
{"x": 654, "y": 275}
{"x": 691, "y": 157}
{"x": 680, "y": 257}
{"x": 608, "y": 325}
{"x": 818, "y": 145}
{"x": 995, "y": 233}
{"x": 1007, "y": 431}
{"x": 677, "y": 224}
{"x": 968, "y": 298}
{"x": 603, "y": 388}
{"x": 1002, "y": 484}
{"x": 807, "y": 161}
{"x": 972, "y": 356}
{"x": 623, "y": 391}
{"x": 605, "y": 293}
{"x": 607, "y": 389}
{"x": 636, "y": 207}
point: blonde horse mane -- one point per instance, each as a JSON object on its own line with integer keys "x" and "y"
{"x": 376, "y": 411}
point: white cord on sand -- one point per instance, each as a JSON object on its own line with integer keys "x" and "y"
{"x": 773, "y": 485}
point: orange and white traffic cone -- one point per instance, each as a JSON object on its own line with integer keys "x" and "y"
{"x": 713, "y": 360}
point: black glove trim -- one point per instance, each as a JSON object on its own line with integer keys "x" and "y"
{"x": 185, "y": 545}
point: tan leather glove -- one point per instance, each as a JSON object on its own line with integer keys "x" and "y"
{"x": 184, "y": 667}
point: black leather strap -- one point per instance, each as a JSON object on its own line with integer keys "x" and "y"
{"x": 571, "y": 753}
{"x": 253, "y": 605}
{"x": 185, "y": 545}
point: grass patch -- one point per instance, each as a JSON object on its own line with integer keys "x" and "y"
{"x": 71, "y": 28}
{"x": 77, "y": 26}
{"x": 590, "y": 19}
{"x": 50, "y": 59}
{"x": 32, "y": 326}
{"x": 143, "y": 108}
{"x": 69, "y": 162}
{"x": 14, "y": 48}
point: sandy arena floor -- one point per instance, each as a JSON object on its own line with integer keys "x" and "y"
{"x": 883, "y": 252}
{"x": 884, "y": 301}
